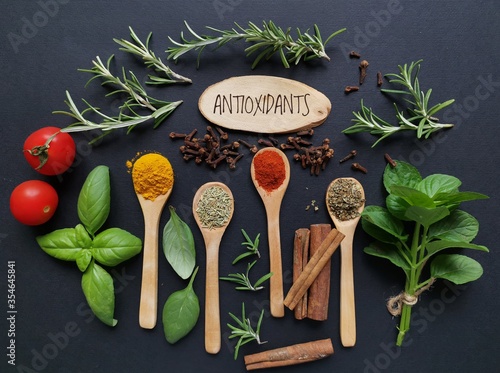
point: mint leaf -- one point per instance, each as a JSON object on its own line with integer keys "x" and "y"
{"x": 389, "y": 252}
{"x": 456, "y": 198}
{"x": 97, "y": 285}
{"x": 94, "y": 199}
{"x": 397, "y": 206}
{"x": 438, "y": 183}
{"x": 458, "y": 269}
{"x": 115, "y": 245}
{"x": 413, "y": 196}
{"x": 61, "y": 244}
{"x": 439, "y": 245}
{"x": 426, "y": 216}
{"x": 404, "y": 174}
{"x": 458, "y": 226}
{"x": 381, "y": 218}
{"x": 178, "y": 245}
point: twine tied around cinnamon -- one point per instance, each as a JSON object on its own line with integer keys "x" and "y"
{"x": 395, "y": 303}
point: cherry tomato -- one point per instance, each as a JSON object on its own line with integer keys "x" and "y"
{"x": 49, "y": 151}
{"x": 33, "y": 202}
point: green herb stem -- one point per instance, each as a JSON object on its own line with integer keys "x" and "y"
{"x": 266, "y": 41}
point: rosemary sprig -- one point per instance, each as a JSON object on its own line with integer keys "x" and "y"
{"x": 137, "y": 47}
{"x": 268, "y": 40}
{"x": 128, "y": 115}
{"x": 244, "y": 331}
{"x": 252, "y": 247}
{"x": 243, "y": 279}
{"x": 421, "y": 115}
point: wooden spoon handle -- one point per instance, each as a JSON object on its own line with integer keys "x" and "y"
{"x": 149, "y": 287}
{"x": 347, "y": 307}
{"x": 276, "y": 281}
{"x": 212, "y": 312}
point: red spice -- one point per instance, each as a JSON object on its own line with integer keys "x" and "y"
{"x": 269, "y": 170}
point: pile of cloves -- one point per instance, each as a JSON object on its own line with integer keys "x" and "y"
{"x": 212, "y": 149}
{"x": 310, "y": 156}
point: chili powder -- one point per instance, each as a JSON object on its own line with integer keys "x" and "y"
{"x": 269, "y": 170}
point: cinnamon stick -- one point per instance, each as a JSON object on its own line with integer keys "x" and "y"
{"x": 319, "y": 292}
{"x": 300, "y": 257}
{"x": 313, "y": 268}
{"x": 291, "y": 355}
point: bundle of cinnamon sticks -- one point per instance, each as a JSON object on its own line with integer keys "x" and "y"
{"x": 313, "y": 248}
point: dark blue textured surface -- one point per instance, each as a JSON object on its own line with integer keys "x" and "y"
{"x": 43, "y": 43}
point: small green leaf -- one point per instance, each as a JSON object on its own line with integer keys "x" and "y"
{"x": 438, "y": 183}
{"x": 178, "y": 245}
{"x": 457, "y": 197}
{"x": 397, "y": 206}
{"x": 439, "y": 245}
{"x": 458, "y": 269}
{"x": 97, "y": 285}
{"x": 389, "y": 252}
{"x": 83, "y": 259}
{"x": 458, "y": 226}
{"x": 381, "y": 218}
{"x": 413, "y": 196}
{"x": 82, "y": 237}
{"x": 426, "y": 216}
{"x": 94, "y": 199}
{"x": 404, "y": 174}
{"x": 115, "y": 245}
{"x": 61, "y": 244}
{"x": 181, "y": 312}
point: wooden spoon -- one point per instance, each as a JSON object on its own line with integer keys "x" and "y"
{"x": 347, "y": 307}
{"x": 212, "y": 238}
{"x": 149, "y": 287}
{"x": 272, "y": 203}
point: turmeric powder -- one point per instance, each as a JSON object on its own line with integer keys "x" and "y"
{"x": 152, "y": 175}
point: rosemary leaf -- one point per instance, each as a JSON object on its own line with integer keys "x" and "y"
{"x": 421, "y": 115}
{"x": 137, "y": 47}
{"x": 269, "y": 39}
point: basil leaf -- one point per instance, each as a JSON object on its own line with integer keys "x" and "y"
{"x": 94, "y": 199}
{"x": 404, "y": 174}
{"x": 61, "y": 244}
{"x": 389, "y": 252}
{"x": 381, "y": 218}
{"x": 458, "y": 269}
{"x": 413, "y": 196}
{"x": 181, "y": 312}
{"x": 178, "y": 245}
{"x": 438, "y": 183}
{"x": 439, "y": 245}
{"x": 425, "y": 216}
{"x": 97, "y": 285}
{"x": 83, "y": 259}
{"x": 114, "y": 246}
{"x": 397, "y": 206}
{"x": 82, "y": 237}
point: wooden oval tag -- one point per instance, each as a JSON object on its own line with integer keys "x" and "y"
{"x": 264, "y": 104}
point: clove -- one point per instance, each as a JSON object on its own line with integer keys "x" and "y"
{"x": 358, "y": 167}
{"x": 351, "y": 154}
{"x": 362, "y": 71}
{"x": 380, "y": 79}
{"x": 351, "y": 88}
{"x": 354, "y": 54}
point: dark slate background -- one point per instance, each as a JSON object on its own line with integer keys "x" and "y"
{"x": 455, "y": 328}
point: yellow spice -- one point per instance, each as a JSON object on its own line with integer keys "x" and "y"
{"x": 152, "y": 175}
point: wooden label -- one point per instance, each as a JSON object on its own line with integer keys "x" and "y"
{"x": 264, "y": 104}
